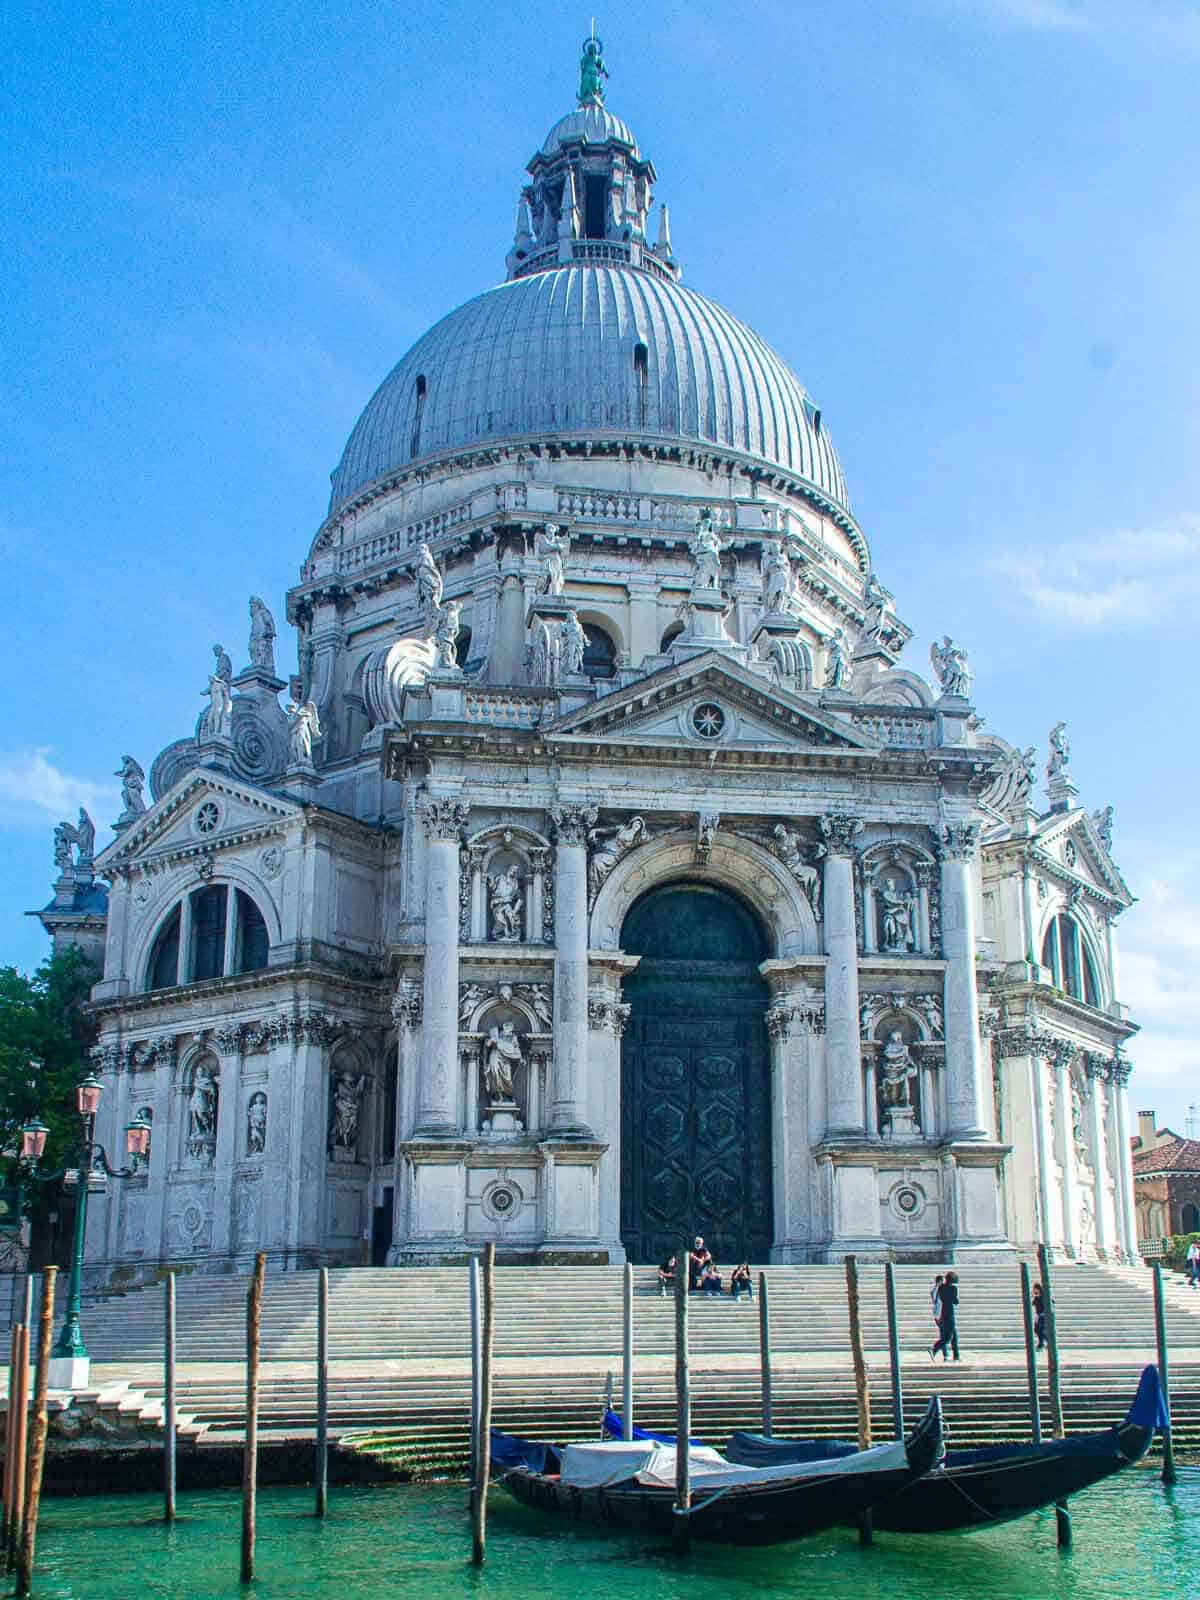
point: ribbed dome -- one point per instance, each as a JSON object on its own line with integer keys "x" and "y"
{"x": 558, "y": 352}
{"x": 593, "y": 124}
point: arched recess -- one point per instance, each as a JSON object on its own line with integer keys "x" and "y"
{"x": 234, "y": 875}
{"x": 506, "y": 902}
{"x": 696, "y": 1151}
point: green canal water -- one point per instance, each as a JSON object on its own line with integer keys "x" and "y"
{"x": 1133, "y": 1540}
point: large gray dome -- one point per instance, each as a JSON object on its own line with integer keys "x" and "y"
{"x": 561, "y": 351}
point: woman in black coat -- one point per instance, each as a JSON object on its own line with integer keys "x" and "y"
{"x": 947, "y": 1319}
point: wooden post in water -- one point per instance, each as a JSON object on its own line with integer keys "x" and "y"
{"x": 681, "y": 1532}
{"x": 170, "y": 1408}
{"x": 764, "y": 1356}
{"x": 862, "y": 1392}
{"x": 627, "y": 1353}
{"x": 10, "y": 1422}
{"x": 889, "y": 1284}
{"x": 475, "y": 1314}
{"x": 1062, "y": 1517}
{"x": 322, "y": 1462}
{"x": 1031, "y": 1370}
{"x": 1160, "y": 1333}
{"x": 20, "y": 1442}
{"x": 38, "y": 1432}
{"x": 483, "y": 1454}
{"x": 250, "y": 1453}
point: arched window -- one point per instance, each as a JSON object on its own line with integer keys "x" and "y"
{"x": 1065, "y": 952}
{"x": 208, "y": 936}
{"x": 641, "y": 375}
{"x": 414, "y": 448}
{"x": 599, "y": 654}
{"x": 669, "y": 638}
{"x": 462, "y": 646}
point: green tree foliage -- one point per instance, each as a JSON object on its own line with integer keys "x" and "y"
{"x": 45, "y": 1037}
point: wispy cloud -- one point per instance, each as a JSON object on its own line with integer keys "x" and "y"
{"x": 1115, "y": 581}
{"x": 1174, "y": 23}
{"x": 35, "y": 792}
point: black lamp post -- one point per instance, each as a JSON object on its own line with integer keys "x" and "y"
{"x": 69, "y": 1345}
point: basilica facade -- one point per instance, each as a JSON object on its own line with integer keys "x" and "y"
{"x": 604, "y": 872}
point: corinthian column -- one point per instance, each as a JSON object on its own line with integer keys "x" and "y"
{"x": 843, "y": 1052}
{"x": 437, "y": 1075}
{"x": 964, "y": 1062}
{"x": 571, "y": 824}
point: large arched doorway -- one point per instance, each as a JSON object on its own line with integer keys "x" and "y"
{"x": 695, "y": 1077}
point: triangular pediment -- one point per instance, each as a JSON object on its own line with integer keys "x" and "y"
{"x": 1072, "y": 840}
{"x": 205, "y": 809}
{"x": 710, "y": 703}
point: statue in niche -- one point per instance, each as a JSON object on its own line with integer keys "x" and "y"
{"x": 1060, "y": 750}
{"x": 133, "y": 781}
{"x": 429, "y": 581}
{"x": 262, "y": 636}
{"x": 574, "y": 643}
{"x": 1077, "y": 1132}
{"x": 551, "y": 547}
{"x": 304, "y": 727}
{"x": 501, "y": 1058}
{"x": 256, "y": 1124}
{"x": 223, "y": 666}
{"x": 347, "y": 1097}
{"x": 706, "y": 552}
{"x": 898, "y": 1072}
{"x": 606, "y": 846}
{"x": 950, "y": 664}
{"x": 879, "y": 604}
{"x": 471, "y": 997}
{"x": 898, "y": 911}
{"x": 787, "y": 848}
{"x": 779, "y": 582}
{"x": 447, "y": 626}
{"x": 505, "y": 904}
{"x": 202, "y": 1107}
{"x": 837, "y": 662}
{"x": 217, "y": 721}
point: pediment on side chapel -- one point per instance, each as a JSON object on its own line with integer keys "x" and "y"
{"x": 203, "y": 810}
{"x": 1073, "y": 840}
{"x": 709, "y": 703}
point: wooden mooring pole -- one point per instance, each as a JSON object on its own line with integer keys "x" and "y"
{"x": 20, "y": 1441}
{"x": 322, "y": 1462}
{"x": 1062, "y": 1516}
{"x": 764, "y": 1356}
{"x": 681, "y": 1532}
{"x": 170, "y": 1403}
{"x": 627, "y": 1352}
{"x": 889, "y": 1284}
{"x": 10, "y": 1425}
{"x": 1164, "y": 1376}
{"x": 1031, "y": 1369}
{"x": 476, "y": 1324}
{"x": 37, "y": 1440}
{"x": 483, "y": 1451}
{"x": 250, "y": 1453}
{"x": 862, "y": 1392}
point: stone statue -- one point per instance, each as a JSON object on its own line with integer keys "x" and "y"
{"x": 1024, "y": 776}
{"x": 574, "y": 643}
{"x": 470, "y": 998}
{"x": 256, "y": 1124}
{"x": 837, "y": 663}
{"x": 223, "y": 667}
{"x": 606, "y": 846}
{"x": 539, "y": 999}
{"x": 879, "y": 603}
{"x": 898, "y": 909}
{"x": 1077, "y": 1133}
{"x": 1060, "y": 750}
{"x": 347, "y": 1096}
{"x": 706, "y": 552}
{"x": 445, "y": 636}
{"x": 787, "y": 848}
{"x": 932, "y": 1011}
{"x": 899, "y": 1071}
{"x": 64, "y": 836}
{"x": 950, "y": 664}
{"x": 202, "y": 1106}
{"x": 779, "y": 581}
{"x": 592, "y": 72}
{"x": 501, "y": 1058}
{"x": 85, "y": 838}
{"x": 133, "y": 780}
{"x": 1102, "y": 821}
{"x": 262, "y": 636}
{"x": 505, "y": 903}
{"x": 552, "y": 547}
{"x": 304, "y": 727}
{"x": 217, "y": 721}
{"x": 545, "y": 653}
{"x": 429, "y": 580}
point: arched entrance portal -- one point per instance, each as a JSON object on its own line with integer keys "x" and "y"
{"x": 695, "y": 1077}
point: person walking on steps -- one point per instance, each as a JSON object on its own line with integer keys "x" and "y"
{"x": 935, "y": 1298}
{"x": 1193, "y": 1262}
{"x": 947, "y": 1319}
{"x": 1039, "y": 1315}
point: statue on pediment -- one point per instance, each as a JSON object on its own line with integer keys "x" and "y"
{"x": 217, "y": 721}
{"x": 223, "y": 666}
{"x": 429, "y": 580}
{"x": 952, "y": 668}
{"x": 779, "y": 581}
{"x": 262, "y": 636}
{"x": 304, "y": 727}
{"x": 837, "y": 662}
{"x": 446, "y": 630}
{"x": 879, "y": 604}
{"x": 133, "y": 780}
{"x": 551, "y": 547}
{"x": 706, "y": 552}
{"x": 574, "y": 643}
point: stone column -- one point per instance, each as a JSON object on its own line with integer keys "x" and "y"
{"x": 1065, "y": 1145}
{"x": 444, "y": 821}
{"x": 569, "y": 1094}
{"x": 843, "y": 1054}
{"x": 1126, "y": 1219}
{"x": 1095, "y": 1076}
{"x": 965, "y": 1066}
{"x": 1040, "y": 1092}
{"x": 307, "y": 1133}
{"x": 163, "y": 1140}
{"x": 227, "y": 1041}
{"x": 183, "y": 965}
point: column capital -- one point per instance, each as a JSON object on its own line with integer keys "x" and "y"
{"x": 571, "y": 823}
{"x": 444, "y": 819}
{"x": 838, "y": 832}
{"x": 958, "y": 841}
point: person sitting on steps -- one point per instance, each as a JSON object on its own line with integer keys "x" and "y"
{"x": 666, "y": 1274}
{"x": 710, "y": 1278}
{"x": 740, "y": 1280}
{"x": 698, "y": 1258}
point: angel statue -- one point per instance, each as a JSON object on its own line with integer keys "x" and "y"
{"x": 304, "y": 726}
{"x": 950, "y": 664}
{"x": 592, "y": 72}
{"x": 133, "y": 780}
{"x": 608, "y": 845}
{"x": 429, "y": 580}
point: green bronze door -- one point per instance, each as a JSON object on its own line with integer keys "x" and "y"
{"x": 695, "y": 1078}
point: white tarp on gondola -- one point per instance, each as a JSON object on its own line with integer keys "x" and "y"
{"x": 710, "y": 1470}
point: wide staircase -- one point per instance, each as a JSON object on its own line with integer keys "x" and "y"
{"x": 399, "y": 1350}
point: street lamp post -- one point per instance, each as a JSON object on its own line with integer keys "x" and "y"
{"x": 69, "y": 1361}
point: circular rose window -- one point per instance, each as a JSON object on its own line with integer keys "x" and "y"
{"x": 708, "y": 720}
{"x": 207, "y": 816}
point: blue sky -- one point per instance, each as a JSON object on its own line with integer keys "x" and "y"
{"x": 971, "y": 226}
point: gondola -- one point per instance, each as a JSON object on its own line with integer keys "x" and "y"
{"x": 631, "y": 1485}
{"x": 980, "y": 1488}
